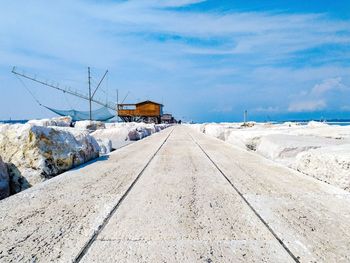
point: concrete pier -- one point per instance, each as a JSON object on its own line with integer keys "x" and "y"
{"x": 177, "y": 196}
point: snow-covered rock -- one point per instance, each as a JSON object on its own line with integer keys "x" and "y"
{"x": 4, "y": 180}
{"x": 197, "y": 127}
{"x": 90, "y": 125}
{"x": 316, "y": 124}
{"x": 105, "y": 146}
{"x": 65, "y": 121}
{"x": 120, "y": 134}
{"x": 36, "y": 153}
{"x": 284, "y": 148}
{"x": 329, "y": 164}
{"x": 317, "y": 149}
{"x": 215, "y": 130}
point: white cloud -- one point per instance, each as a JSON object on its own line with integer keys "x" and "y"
{"x": 155, "y": 50}
{"x": 176, "y": 3}
{"x": 345, "y": 108}
{"x": 319, "y": 96}
{"x": 267, "y": 109}
{"x": 222, "y": 109}
{"x": 303, "y": 106}
{"x": 328, "y": 85}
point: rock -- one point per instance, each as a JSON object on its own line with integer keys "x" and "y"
{"x": 135, "y": 134}
{"x": 4, "y": 181}
{"x": 329, "y": 164}
{"x": 290, "y": 124}
{"x": 284, "y": 148}
{"x": 248, "y": 124}
{"x": 120, "y": 134}
{"x": 196, "y": 127}
{"x": 215, "y": 130}
{"x": 316, "y": 149}
{"x": 36, "y": 153}
{"x": 316, "y": 124}
{"x": 105, "y": 146}
{"x": 90, "y": 125}
{"x": 65, "y": 121}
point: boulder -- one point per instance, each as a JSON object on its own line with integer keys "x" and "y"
{"x": 215, "y": 130}
{"x": 284, "y": 148}
{"x": 4, "y": 180}
{"x": 120, "y": 134}
{"x": 329, "y": 164}
{"x": 248, "y": 124}
{"x": 36, "y": 153}
{"x": 316, "y": 124}
{"x": 90, "y": 125}
{"x": 65, "y": 121}
{"x": 105, "y": 146}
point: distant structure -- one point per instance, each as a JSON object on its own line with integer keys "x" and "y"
{"x": 168, "y": 118}
{"x": 102, "y": 114}
{"x": 245, "y": 117}
{"x": 146, "y": 111}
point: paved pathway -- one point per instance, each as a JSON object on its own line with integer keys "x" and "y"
{"x": 178, "y": 196}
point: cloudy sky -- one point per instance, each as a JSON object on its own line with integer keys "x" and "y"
{"x": 205, "y": 60}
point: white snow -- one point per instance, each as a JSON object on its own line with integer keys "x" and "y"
{"x": 40, "y": 149}
{"x": 284, "y": 147}
{"x": 329, "y": 164}
{"x": 121, "y": 134}
{"x": 316, "y": 149}
{"x": 36, "y": 153}
{"x": 65, "y": 121}
{"x": 89, "y": 125}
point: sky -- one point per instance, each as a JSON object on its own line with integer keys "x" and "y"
{"x": 205, "y": 60}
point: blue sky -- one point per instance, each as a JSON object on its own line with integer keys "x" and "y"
{"x": 205, "y": 60}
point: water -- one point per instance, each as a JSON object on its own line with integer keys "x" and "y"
{"x": 330, "y": 122}
{"x": 303, "y": 122}
{"x": 13, "y": 121}
{"x": 344, "y": 123}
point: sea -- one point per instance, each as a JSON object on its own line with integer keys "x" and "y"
{"x": 330, "y": 122}
{"x": 13, "y": 121}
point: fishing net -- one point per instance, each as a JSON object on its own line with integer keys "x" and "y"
{"x": 102, "y": 114}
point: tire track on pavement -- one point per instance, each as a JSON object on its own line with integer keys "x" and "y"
{"x": 295, "y": 258}
{"x": 87, "y": 246}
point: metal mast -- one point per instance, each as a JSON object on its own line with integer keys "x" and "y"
{"x": 117, "y": 105}
{"x": 89, "y": 77}
{"x": 245, "y": 116}
{"x": 68, "y": 90}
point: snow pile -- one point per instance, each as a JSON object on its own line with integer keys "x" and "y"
{"x": 4, "y": 181}
{"x": 89, "y": 125}
{"x": 215, "y": 130}
{"x": 111, "y": 138}
{"x": 40, "y": 149}
{"x": 284, "y": 148}
{"x": 329, "y": 164}
{"x": 316, "y": 124}
{"x": 36, "y": 153}
{"x": 316, "y": 149}
{"x": 120, "y": 134}
{"x": 65, "y": 121}
{"x": 327, "y": 131}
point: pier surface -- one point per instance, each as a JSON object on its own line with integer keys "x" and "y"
{"x": 177, "y": 196}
